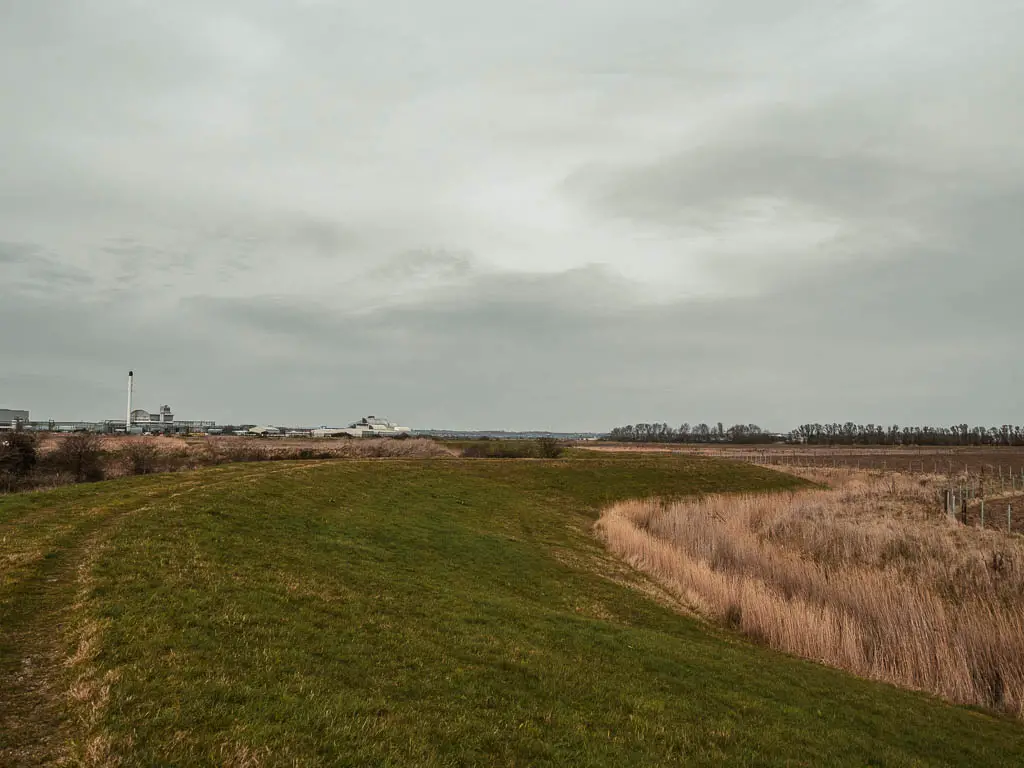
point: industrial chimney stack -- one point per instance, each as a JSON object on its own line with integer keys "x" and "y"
{"x": 128, "y": 415}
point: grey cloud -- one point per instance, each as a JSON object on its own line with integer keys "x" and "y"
{"x": 28, "y": 266}
{"x": 424, "y": 264}
{"x": 18, "y": 253}
{"x": 699, "y": 188}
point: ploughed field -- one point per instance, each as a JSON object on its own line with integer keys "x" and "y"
{"x": 956, "y": 460}
{"x": 408, "y": 612}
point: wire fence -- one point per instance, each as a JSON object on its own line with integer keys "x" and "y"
{"x": 973, "y": 493}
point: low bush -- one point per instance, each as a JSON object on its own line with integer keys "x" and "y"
{"x": 141, "y": 458}
{"x": 543, "y": 448}
{"x": 499, "y": 450}
{"x": 550, "y": 448}
{"x": 80, "y": 455}
{"x": 18, "y": 453}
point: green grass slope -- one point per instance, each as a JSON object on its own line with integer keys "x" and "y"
{"x": 406, "y": 613}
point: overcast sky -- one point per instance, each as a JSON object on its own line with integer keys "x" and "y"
{"x": 480, "y": 214}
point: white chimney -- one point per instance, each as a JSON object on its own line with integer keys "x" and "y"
{"x": 128, "y": 416}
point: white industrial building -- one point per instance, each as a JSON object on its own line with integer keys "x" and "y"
{"x": 138, "y": 420}
{"x": 143, "y": 418}
{"x": 369, "y": 426}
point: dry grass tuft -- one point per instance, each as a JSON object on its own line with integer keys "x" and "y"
{"x": 234, "y": 755}
{"x": 866, "y": 575}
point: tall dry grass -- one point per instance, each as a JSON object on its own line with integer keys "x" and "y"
{"x": 866, "y": 575}
{"x": 249, "y": 449}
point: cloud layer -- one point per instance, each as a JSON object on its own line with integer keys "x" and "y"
{"x": 513, "y": 215}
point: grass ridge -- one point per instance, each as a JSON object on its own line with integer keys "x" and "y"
{"x": 448, "y": 612}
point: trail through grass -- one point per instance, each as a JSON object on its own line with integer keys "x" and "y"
{"x": 454, "y": 612}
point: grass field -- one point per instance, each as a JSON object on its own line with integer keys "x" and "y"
{"x": 429, "y": 612}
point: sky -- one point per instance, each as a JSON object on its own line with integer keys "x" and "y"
{"x": 513, "y": 215}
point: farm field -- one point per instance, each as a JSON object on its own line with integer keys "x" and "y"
{"x": 409, "y": 612}
{"x": 926, "y": 459}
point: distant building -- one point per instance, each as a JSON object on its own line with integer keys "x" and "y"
{"x": 11, "y": 419}
{"x": 369, "y": 426}
{"x": 161, "y": 421}
{"x": 143, "y": 418}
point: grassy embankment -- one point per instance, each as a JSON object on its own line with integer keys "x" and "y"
{"x": 454, "y": 612}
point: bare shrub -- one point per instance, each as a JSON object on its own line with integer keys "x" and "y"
{"x": 141, "y": 458}
{"x": 81, "y": 455}
{"x": 501, "y": 449}
{"x": 18, "y": 453}
{"x": 866, "y": 576}
{"x": 550, "y": 447}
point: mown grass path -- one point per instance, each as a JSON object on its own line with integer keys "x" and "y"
{"x": 406, "y": 612}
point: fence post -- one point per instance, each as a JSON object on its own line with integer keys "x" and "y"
{"x": 983, "y": 512}
{"x": 1009, "y": 518}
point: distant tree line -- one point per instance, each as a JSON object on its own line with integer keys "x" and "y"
{"x": 872, "y": 434}
{"x": 822, "y": 434}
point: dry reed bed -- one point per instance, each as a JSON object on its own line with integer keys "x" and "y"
{"x": 865, "y": 575}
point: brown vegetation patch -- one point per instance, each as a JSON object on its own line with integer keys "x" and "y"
{"x": 82, "y": 457}
{"x": 866, "y": 575}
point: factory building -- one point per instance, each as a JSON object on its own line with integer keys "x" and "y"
{"x": 12, "y": 419}
{"x": 369, "y": 426}
{"x": 142, "y": 418}
{"x": 138, "y": 420}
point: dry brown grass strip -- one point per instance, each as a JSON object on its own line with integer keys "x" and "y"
{"x": 866, "y": 575}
